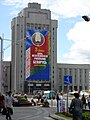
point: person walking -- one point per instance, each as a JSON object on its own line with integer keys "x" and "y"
{"x": 1, "y": 101}
{"x": 8, "y": 105}
{"x": 57, "y": 98}
{"x": 88, "y": 99}
{"x": 77, "y": 106}
{"x": 83, "y": 101}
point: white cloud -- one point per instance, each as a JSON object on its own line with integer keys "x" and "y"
{"x": 79, "y": 35}
{"x": 65, "y": 8}
{"x": 7, "y": 58}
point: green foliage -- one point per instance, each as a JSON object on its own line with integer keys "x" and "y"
{"x": 68, "y": 115}
{"x": 65, "y": 115}
{"x": 22, "y": 99}
{"x": 86, "y": 115}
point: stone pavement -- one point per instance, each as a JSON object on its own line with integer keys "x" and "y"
{"x": 2, "y": 117}
{"x": 31, "y": 113}
{"x": 55, "y": 117}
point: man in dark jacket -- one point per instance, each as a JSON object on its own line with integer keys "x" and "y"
{"x": 77, "y": 106}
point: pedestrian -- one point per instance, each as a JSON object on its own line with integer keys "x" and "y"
{"x": 61, "y": 96}
{"x": 88, "y": 99}
{"x": 1, "y": 102}
{"x": 32, "y": 100}
{"x": 83, "y": 101}
{"x": 57, "y": 98}
{"x": 39, "y": 97}
{"x": 76, "y": 106}
{"x": 8, "y": 105}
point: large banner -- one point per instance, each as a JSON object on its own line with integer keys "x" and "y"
{"x": 37, "y": 55}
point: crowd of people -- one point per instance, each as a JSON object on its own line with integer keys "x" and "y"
{"x": 43, "y": 100}
{"x": 85, "y": 101}
{"x": 77, "y": 103}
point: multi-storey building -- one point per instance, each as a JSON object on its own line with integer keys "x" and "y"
{"x": 80, "y": 76}
{"x": 34, "y": 50}
{"x": 6, "y": 76}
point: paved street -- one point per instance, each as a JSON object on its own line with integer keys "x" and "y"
{"x": 34, "y": 112}
{"x": 31, "y": 113}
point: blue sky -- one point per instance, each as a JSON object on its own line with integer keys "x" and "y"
{"x": 73, "y": 34}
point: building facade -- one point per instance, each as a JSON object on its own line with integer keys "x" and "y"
{"x": 34, "y": 50}
{"x": 80, "y": 76}
{"x": 6, "y": 76}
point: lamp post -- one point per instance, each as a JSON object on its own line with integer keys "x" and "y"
{"x": 1, "y": 52}
{"x": 86, "y": 18}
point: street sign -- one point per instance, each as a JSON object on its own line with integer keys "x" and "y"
{"x": 68, "y": 80}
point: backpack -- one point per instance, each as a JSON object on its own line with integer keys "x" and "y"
{"x": 4, "y": 111}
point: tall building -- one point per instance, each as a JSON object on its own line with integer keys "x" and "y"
{"x": 80, "y": 74}
{"x": 34, "y": 50}
{"x": 6, "y": 76}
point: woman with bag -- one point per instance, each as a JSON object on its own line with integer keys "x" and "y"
{"x": 8, "y": 105}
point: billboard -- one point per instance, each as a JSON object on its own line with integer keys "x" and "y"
{"x": 37, "y": 55}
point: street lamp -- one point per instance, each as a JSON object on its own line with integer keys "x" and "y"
{"x": 86, "y": 18}
{"x": 1, "y": 52}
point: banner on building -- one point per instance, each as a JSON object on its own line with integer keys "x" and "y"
{"x": 37, "y": 55}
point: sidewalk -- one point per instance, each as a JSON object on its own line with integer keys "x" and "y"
{"x": 56, "y": 117}
{"x": 2, "y": 117}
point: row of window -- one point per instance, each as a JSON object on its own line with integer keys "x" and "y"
{"x": 33, "y": 26}
{"x": 66, "y": 71}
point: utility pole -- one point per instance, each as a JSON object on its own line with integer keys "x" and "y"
{"x": 1, "y": 52}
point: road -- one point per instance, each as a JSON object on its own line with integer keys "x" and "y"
{"x": 31, "y": 113}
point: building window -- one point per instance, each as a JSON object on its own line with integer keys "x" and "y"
{"x": 43, "y": 27}
{"x": 39, "y": 26}
{"x": 36, "y": 26}
{"x": 28, "y": 25}
{"x": 65, "y": 70}
{"x": 47, "y": 27}
{"x": 31, "y": 26}
{"x": 70, "y": 71}
{"x": 75, "y": 78}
